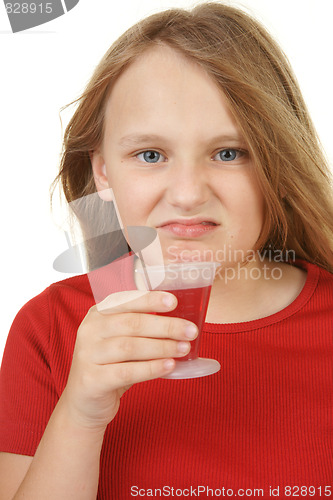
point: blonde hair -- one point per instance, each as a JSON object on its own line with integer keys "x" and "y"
{"x": 255, "y": 76}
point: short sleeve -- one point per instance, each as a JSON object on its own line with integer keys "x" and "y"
{"x": 27, "y": 391}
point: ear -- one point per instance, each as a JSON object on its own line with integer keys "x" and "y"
{"x": 100, "y": 176}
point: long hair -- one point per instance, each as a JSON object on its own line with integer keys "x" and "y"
{"x": 256, "y": 78}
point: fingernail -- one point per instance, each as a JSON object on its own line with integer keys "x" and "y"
{"x": 183, "y": 347}
{"x": 169, "y": 364}
{"x": 168, "y": 300}
{"x": 191, "y": 331}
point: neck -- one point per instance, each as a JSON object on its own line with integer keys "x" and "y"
{"x": 252, "y": 291}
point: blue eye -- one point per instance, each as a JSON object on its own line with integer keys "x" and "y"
{"x": 150, "y": 156}
{"x": 228, "y": 154}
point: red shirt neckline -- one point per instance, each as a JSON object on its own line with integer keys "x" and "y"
{"x": 306, "y": 293}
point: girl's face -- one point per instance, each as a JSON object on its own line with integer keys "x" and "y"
{"x": 176, "y": 161}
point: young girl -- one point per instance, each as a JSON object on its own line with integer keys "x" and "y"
{"x": 195, "y": 121}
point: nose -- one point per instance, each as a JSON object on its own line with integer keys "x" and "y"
{"x": 188, "y": 186}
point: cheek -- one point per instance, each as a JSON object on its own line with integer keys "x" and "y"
{"x": 245, "y": 208}
{"x": 252, "y": 199}
{"x": 244, "y": 202}
{"x": 133, "y": 206}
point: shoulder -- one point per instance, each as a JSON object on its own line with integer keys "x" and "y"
{"x": 75, "y": 295}
{"x": 75, "y": 289}
{"x": 325, "y": 288}
{"x": 326, "y": 278}
{"x": 318, "y": 294}
{"x": 318, "y": 277}
{"x": 66, "y": 301}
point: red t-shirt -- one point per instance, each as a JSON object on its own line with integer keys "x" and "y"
{"x": 263, "y": 422}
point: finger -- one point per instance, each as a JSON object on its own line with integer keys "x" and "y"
{"x": 137, "y": 301}
{"x": 125, "y": 374}
{"x": 148, "y": 325}
{"x": 121, "y": 349}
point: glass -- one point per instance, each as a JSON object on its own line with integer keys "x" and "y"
{"x": 191, "y": 283}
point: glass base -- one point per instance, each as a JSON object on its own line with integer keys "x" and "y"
{"x": 194, "y": 368}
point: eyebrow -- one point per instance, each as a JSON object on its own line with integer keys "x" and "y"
{"x": 135, "y": 139}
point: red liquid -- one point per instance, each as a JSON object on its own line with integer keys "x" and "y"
{"x": 192, "y": 305}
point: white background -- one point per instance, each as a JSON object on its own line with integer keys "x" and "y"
{"x": 45, "y": 68}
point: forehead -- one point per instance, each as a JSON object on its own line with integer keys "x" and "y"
{"x": 163, "y": 87}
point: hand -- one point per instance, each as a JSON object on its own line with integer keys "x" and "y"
{"x": 119, "y": 344}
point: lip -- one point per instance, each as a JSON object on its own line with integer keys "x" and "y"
{"x": 190, "y": 228}
{"x": 189, "y": 222}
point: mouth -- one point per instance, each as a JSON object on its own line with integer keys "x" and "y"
{"x": 189, "y": 228}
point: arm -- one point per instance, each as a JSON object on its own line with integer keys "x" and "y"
{"x": 13, "y": 469}
{"x": 115, "y": 348}
{"x": 66, "y": 463}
